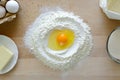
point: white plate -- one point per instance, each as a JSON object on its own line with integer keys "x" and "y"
{"x": 7, "y": 42}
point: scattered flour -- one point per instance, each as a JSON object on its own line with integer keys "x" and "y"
{"x": 37, "y": 35}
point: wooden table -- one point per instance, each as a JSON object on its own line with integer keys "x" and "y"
{"x": 98, "y": 66}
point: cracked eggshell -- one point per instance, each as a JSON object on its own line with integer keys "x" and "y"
{"x": 110, "y": 14}
{"x": 2, "y": 11}
{"x": 12, "y": 6}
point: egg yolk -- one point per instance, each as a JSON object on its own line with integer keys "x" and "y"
{"x": 60, "y": 39}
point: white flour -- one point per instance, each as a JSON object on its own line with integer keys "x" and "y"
{"x": 37, "y": 35}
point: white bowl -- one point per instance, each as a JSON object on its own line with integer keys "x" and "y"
{"x": 110, "y": 14}
{"x": 7, "y": 42}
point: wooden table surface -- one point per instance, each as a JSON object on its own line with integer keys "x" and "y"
{"x": 97, "y": 66}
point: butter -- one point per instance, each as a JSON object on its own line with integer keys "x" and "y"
{"x": 113, "y": 5}
{"x": 5, "y": 57}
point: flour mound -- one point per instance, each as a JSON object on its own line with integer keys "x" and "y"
{"x": 37, "y": 35}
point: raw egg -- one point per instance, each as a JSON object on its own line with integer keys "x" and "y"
{"x": 61, "y": 39}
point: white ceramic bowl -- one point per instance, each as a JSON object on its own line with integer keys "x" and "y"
{"x": 110, "y": 14}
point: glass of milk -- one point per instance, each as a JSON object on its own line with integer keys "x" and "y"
{"x": 113, "y": 45}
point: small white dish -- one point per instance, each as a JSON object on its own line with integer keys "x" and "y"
{"x": 110, "y": 14}
{"x": 7, "y": 42}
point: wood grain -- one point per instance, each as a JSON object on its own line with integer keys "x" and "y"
{"x": 98, "y": 66}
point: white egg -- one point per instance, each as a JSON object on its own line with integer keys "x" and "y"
{"x": 12, "y": 6}
{"x": 2, "y": 11}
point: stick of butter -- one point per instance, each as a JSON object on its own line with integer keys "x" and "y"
{"x": 5, "y": 56}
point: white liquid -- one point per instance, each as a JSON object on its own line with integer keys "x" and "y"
{"x": 114, "y": 44}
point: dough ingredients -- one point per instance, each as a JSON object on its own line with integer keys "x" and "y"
{"x": 44, "y": 31}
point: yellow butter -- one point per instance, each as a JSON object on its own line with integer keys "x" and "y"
{"x": 5, "y": 56}
{"x": 113, "y": 5}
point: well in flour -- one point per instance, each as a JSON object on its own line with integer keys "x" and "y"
{"x": 37, "y": 36}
